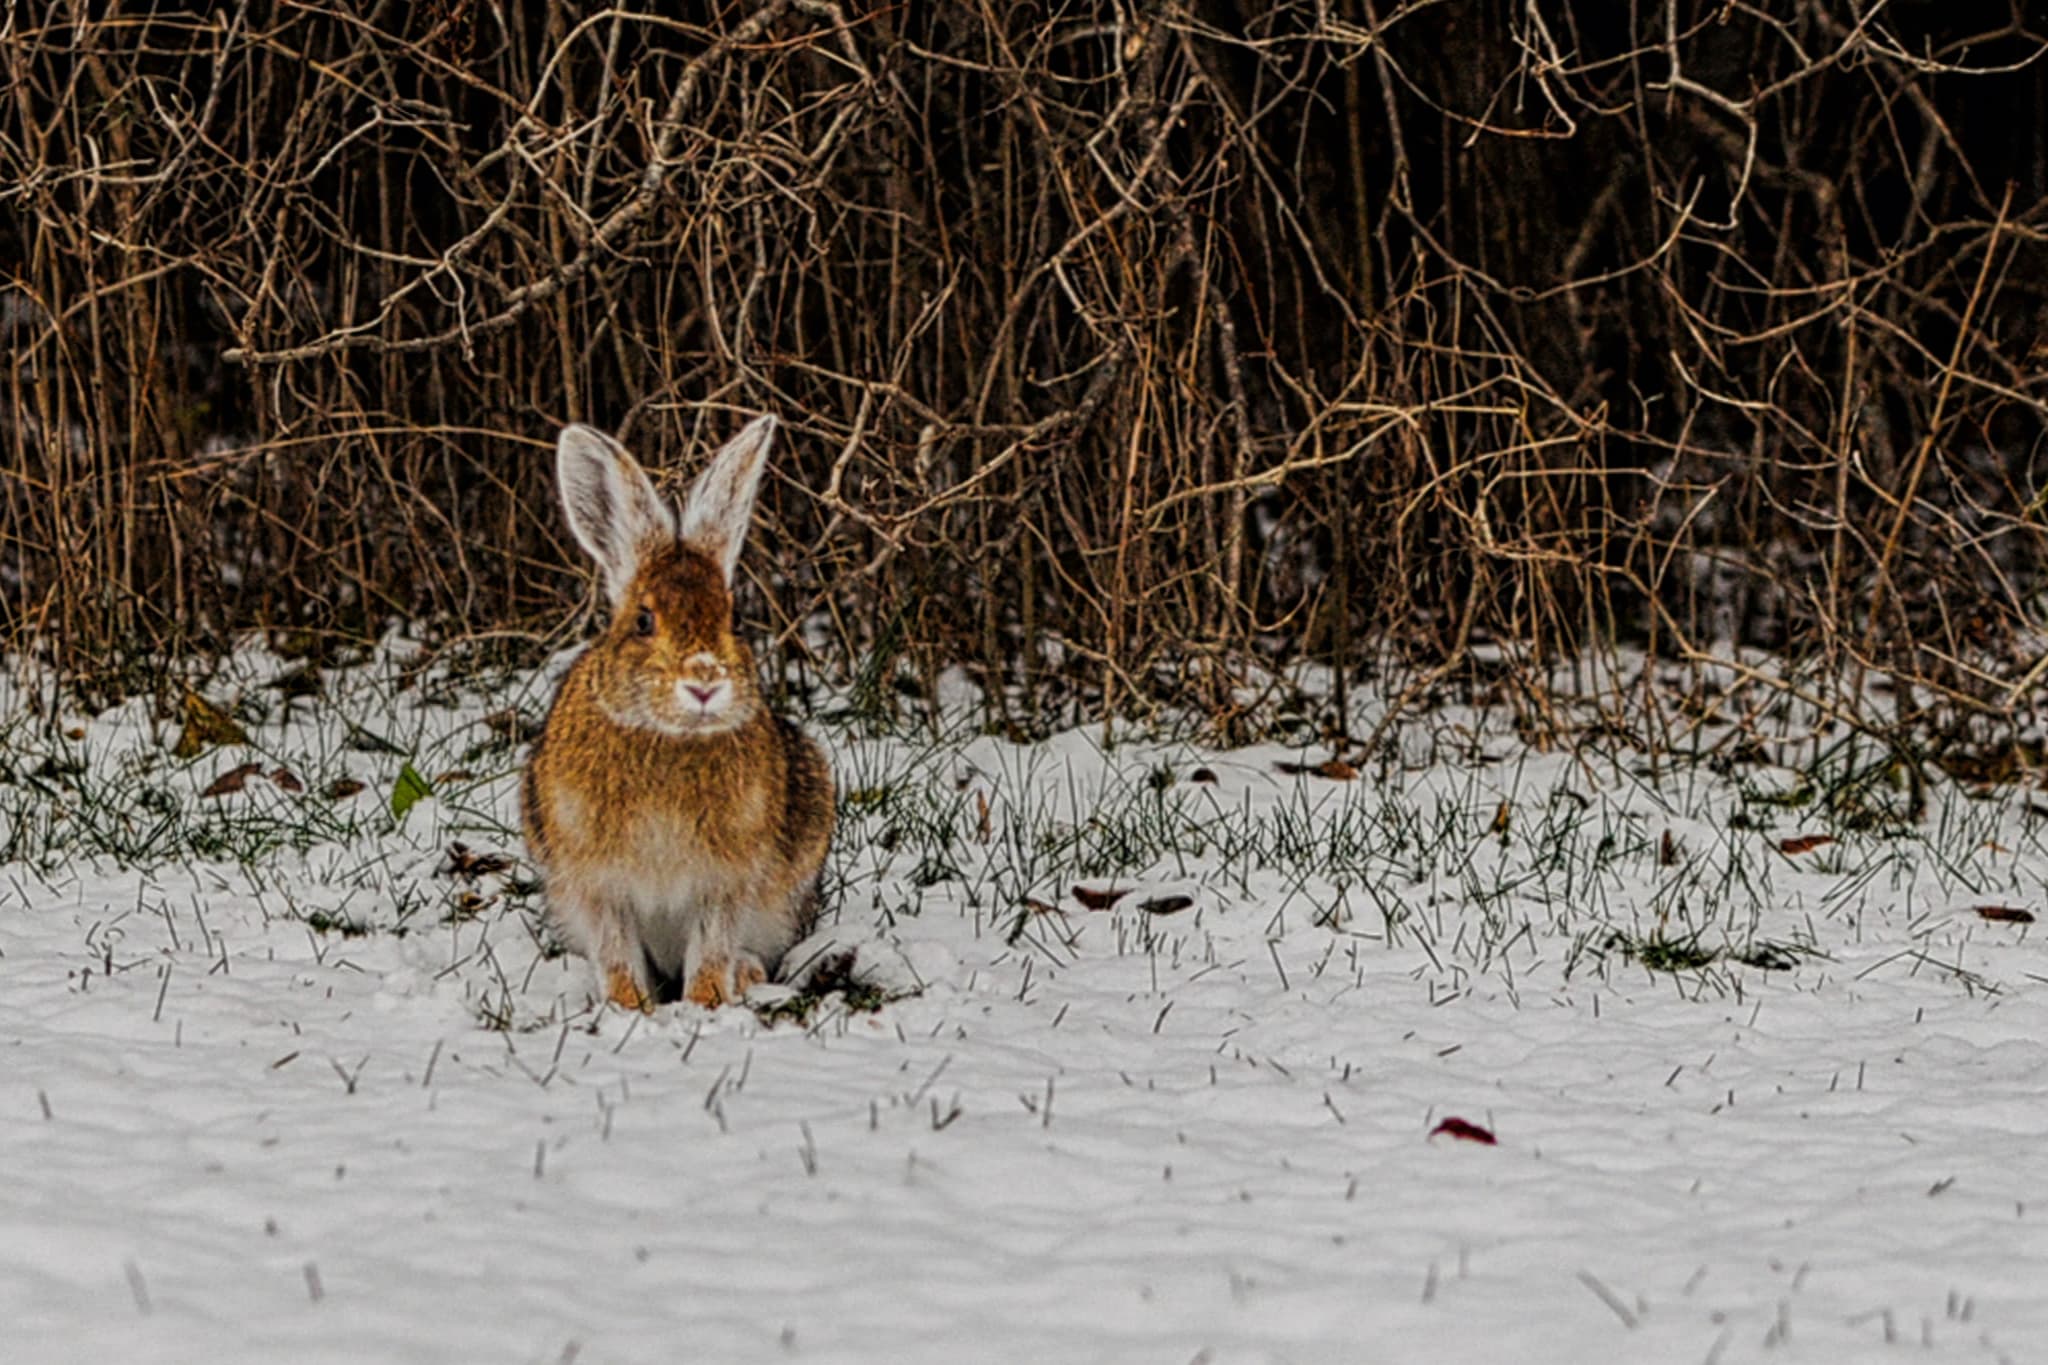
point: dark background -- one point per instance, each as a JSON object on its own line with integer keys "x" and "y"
{"x": 1124, "y": 351}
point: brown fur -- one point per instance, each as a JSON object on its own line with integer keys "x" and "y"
{"x": 675, "y": 856}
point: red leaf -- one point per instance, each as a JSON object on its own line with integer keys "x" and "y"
{"x": 2006, "y": 914}
{"x": 232, "y": 780}
{"x": 1805, "y": 843}
{"x": 1097, "y": 899}
{"x": 1467, "y": 1132}
{"x": 286, "y": 781}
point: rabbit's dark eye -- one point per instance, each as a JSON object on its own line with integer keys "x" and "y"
{"x": 643, "y": 624}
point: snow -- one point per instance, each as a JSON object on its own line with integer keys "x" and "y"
{"x": 1204, "y": 1135}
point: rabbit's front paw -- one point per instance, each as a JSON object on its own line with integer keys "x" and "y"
{"x": 625, "y": 992}
{"x": 723, "y": 980}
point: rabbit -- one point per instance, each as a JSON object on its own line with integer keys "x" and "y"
{"x": 679, "y": 826}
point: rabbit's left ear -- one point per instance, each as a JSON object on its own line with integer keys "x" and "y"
{"x": 721, "y": 503}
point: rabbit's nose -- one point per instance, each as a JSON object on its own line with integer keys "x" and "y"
{"x": 701, "y": 695}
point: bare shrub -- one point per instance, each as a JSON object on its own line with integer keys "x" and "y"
{"x": 1123, "y": 347}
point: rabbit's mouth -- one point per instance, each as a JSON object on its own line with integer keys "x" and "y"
{"x": 680, "y": 715}
{"x": 706, "y": 705}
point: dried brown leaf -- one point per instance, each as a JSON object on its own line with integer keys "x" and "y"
{"x": 1335, "y": 769}
{"x": 233, "y": 780}
{"x": 466, "y": 863}
{"x": 1100, "y": 898}
{"x": 1804, "y": 843}
{"x": 2005, "y": 914}
{"x": 206, "y": 727}
{"x": 467, "y": 905}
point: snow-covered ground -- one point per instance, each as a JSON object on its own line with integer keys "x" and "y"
{"x": 283, "y": 1080}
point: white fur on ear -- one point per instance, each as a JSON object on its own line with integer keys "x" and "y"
{"x": 721, "y": 504}
{"x": 612, "y": 505}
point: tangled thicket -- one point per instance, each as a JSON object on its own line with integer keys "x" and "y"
{"x": 1122, "y": 347}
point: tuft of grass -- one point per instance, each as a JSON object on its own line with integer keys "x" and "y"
{"x": 1661, "y": 952}
{"x": 328, "y": 922}
{"x": 832, "y": 979}
{"x": 1856, "y": 784}
{"x": 1771, "y": 957}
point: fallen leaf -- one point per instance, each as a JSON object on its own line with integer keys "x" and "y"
{"x": 1166, "y": 905}
{"x": 469, "y": 865}
{"x": 75, "y": 732}
{"x": 1804, "y": 843}
{"x": 286, "y": 780}
{"x": 341, "y": 788}
{"x": 2005, "y": 914}
{"x": 1503, "y": 817}
{"x": 1466, "y": 1132}
{"x": 983, "y": 829}
{"x": 1096, "y": 899}
{"x": 233, "y": 780}
{"x": 407, "y": 791}
{"x": 1336, "y": 769}
{"x": 467, "y": 905}
{"x": 1039, "y": 907}
{"x": 206, "y": 727}
{"x": 1202, "y": 775}
{"x": 1667, "y": 851}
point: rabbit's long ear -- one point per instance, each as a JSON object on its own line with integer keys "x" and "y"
{"x": 612, "y": 505}
{"x": 721, "y": 504}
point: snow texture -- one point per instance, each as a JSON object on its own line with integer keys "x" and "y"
{"x": 340, "y": 1104}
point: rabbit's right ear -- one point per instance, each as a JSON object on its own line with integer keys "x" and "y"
{"x": 612, "y": 505}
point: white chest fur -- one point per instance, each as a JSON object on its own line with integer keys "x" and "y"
{"x": 682, "y": 876}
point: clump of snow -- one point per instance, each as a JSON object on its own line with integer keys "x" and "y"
{"x": 287, "y": 1078}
